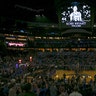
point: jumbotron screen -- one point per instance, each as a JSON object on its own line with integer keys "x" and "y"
{"x": 76, "y": 15}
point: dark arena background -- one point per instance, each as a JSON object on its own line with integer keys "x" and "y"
{"x": 48, "y": 46}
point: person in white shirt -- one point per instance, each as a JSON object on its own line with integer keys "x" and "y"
{"x": 12, "y": 90}
{"x": 75, "y": 15}
{"x": 75, "y": 92}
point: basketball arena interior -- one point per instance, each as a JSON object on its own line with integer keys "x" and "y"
{"x": 47, "y": 43}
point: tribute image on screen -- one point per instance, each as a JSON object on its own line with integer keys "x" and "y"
{"x": 76, "y": 15}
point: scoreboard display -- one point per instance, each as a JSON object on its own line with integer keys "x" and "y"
{"x": 76, "y": 14}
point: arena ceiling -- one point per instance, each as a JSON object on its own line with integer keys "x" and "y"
{"x": 28, "y": 9}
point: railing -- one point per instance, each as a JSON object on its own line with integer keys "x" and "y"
{"x": 77, "y": 67}
{"x": 68, "y": 67}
